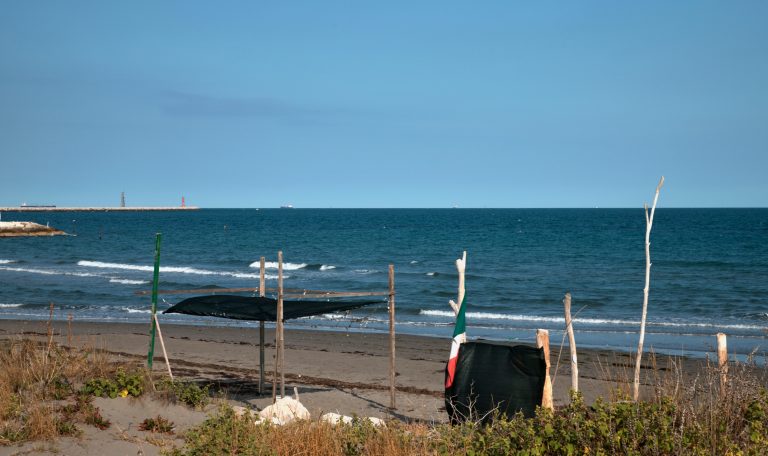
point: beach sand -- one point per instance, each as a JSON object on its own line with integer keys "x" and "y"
{"x": 343, "y": 372}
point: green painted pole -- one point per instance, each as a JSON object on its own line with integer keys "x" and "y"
{"x": 155, "y": 281}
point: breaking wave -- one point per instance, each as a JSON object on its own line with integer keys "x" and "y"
{"x": 577, "y": 320}
{"x": 274, "y": 265}
{"x": 129, "y": 281}
{"x": 8, "y": 306}
{"x": 171, "y": 269}
{"x": 7, "y": 261}
{"x": 49, "y": 272}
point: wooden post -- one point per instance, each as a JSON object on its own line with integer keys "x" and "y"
{"x": 542, "y": 341}
{"x": 162, "y": 345}
{"x": 281, "y": 354}
{"x": 262, "y": 292}
{"x": 722, "y": 361}
{"x": 648, "y": 224}
{"x": 392, "y": 373}
{"x": 571, "y": 343}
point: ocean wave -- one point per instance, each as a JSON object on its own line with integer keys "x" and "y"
{"x": 7, "y": 261}
{"x": 8, "y": 306}
{"x": 327, "y": 267}
{"x": 577, "y": 320}
{"x": 171, "y": 269}
{"x": 128, "y": 281}
{"x": 49, "y": 272}
{"x": 274, "y": 265}
{"x": 131, "y": 310}
{"x": 432, "y": 274}
{"x": 414, "y": 262}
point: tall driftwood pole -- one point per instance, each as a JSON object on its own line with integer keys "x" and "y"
{"x": 722, "y": 361}
{"x": 281, "y": 354}
{"x": 571, "y": 343}
{"x": 262, "y": 293}
{"x": 648, "y": 225}
{"x": 392, "y": 372}
{"x": 542, "y": 341}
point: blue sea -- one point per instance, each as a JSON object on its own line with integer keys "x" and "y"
{"x": 709, "y": 274}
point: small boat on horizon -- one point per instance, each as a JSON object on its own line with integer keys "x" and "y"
{"x": 286, "y": 206}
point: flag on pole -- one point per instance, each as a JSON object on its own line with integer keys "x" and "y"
{"x": 459, "y": 333}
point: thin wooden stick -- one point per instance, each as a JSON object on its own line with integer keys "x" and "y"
{"x": 162, "y": 345}
{"x": 722, "y": 361}
{"x": 392, "y": 373}
{"x": 280, "y": 321}
{"x": 542, "y": 341}
{"x": 262, "y": 292}
{"x": 571, "y": 343}
{"x": 648, "y": 225}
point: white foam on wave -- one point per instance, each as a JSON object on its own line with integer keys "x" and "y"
{"x": 128, "y": 281}
{"x": 167, "y": 269}
{"x": 274, "y": 265}
{"x": 8, "y": 306}
{"x": 414, "y": 262}
{"x": 49, "y": 272}
{"x": 431, "y": 274}
{"x": 327, "y": 267}
{"x": 143, "y": 311}
{"x": 7, "y": 261}
{"x": 594, "y": 321}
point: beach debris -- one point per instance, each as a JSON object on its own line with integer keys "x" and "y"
{"x": 14, "y": 229}
{"x": 286, "y": 409}
{"x": 335, "y": 418}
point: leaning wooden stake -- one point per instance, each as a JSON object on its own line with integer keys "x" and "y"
{"x": 571, "y": 343}
{"x": 162, "y": 345}
{"x": 392, "y": 373}
{"x": 155, "y": 282}
{"x": 722, "y": 361}
{"x": 648, "y": 225}
{"x": 262, "y": 292}
{"x": 542, "y": 341}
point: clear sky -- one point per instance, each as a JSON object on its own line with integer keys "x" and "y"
{"x": 384, "y": 104}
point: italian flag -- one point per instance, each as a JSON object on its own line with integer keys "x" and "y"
{"x": 459, "y": 332}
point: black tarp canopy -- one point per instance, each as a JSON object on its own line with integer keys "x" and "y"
{"x": 260, "y": 308}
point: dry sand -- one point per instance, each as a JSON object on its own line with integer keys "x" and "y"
{"x": 338, "y": 372}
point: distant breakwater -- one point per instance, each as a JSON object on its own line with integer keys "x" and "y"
{"x": 96, "y": 209}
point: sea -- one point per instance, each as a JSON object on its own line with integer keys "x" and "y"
{"x": 709, "y": 273}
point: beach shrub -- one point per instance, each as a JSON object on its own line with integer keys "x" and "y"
{"x": 188, "y": 393}
{"x": 157, "y": 424}
{"x": 122, "y": 384}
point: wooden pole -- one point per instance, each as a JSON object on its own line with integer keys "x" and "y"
{"x": 155, "y": 282}
{"x": 542, "y": 341}
{"x": 392, "y": 373}
{"x": 648, "y": 225}
{"x": 722, "y": 361}
{"x": 571, "y": 343}
{"x": 262, "y": 292}
{"x": 280, "y": 321}
{"x": 162, "y": 345}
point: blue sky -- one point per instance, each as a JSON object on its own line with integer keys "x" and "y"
{"x": 384, "y": 104}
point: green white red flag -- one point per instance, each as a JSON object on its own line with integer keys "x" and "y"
{"x": 459, "y": 332}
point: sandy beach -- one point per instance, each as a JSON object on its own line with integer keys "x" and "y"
{"x": 333, "y": 371}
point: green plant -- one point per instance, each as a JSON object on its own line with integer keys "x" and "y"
{"x": 187, "y": 393}
{"x": 157, "y": 424}
{"x": 122, "y": 385}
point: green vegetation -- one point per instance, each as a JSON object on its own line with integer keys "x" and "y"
{"x": 157, "y": 424}
{"x": 121, "y": 384}
{"x": 662, "y": 426}
{"x": 188, "y": 393}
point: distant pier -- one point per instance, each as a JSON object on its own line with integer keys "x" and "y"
{"x": 96, "y": 209}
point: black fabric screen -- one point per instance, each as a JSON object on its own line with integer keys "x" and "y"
{"x": 258, "y": 308}
{"x": 490, "y": 376}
